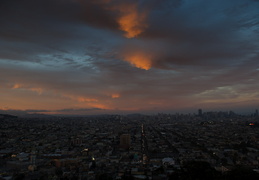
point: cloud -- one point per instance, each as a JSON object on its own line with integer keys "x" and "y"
{"x": 126, "y": 54}
{"x": 82, "y": 99}
{"x": 33, "y": 89}
{"x": 131, "y": 21}
{"x": 139, "y": 60}
{"x": 116, "y": 95}
{"x": 124, "y": 15}
{"x": 209, "y": 34}
{"x": 172, "y": 32}
{"x": 78, "y": 110}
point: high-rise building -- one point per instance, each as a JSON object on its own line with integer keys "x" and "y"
{"x": 125, "y": 141}
{"x": 256, "y": 112}
{"x": 199, "y": 112}
{"x": 33, "y": 158}
{"x": 32, "y": 166}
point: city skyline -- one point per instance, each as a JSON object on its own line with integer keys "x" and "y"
{"x": 128, "y": 56}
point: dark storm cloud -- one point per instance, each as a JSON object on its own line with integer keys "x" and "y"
{"x": 25, "y": 19}
{"x": 216, "y": 33}
{"x": 187, "y": 33}
{"x": 30, "y": 20}
{"x": 31, "y": 27}
{"x": 95, "y": 14}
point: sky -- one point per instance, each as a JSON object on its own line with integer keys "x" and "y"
{"x": 128, "y": 56}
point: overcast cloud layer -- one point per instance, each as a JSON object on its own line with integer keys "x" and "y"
{"x": 114, "y": 56}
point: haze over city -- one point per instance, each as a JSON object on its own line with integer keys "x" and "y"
{"x": 128, "y": 56}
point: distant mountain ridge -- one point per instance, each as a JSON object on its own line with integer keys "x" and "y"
{"x": 7, "y": 116}
{"x": 21, "y": 114}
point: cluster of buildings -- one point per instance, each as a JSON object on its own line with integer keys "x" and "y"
{"x": 125, "y": 147}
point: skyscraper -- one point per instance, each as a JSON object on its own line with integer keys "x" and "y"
{"x": 200, "y": 112}
{"x": 125, "y": 141}
{"x": 33, "y": 157}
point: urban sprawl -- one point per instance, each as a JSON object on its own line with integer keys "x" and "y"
{"x": 162, "y": 146}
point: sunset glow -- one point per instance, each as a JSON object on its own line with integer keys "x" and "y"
{"x": 141, "y": 61}
{"x": 128, "y": 56}
{"x": 132, "y": 21}
{"x": 115, "y": 95}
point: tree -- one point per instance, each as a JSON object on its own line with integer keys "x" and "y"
{"x": 20, "y": 176}
{"x": 240, "y": 173}
{"x": 195, "y": 170}
{"x": 58, "y": 172}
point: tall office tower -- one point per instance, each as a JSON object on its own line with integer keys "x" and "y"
{"x": 33, "y": 158}
{"x": 32, "y": 166}
{"x": 256, "y": 112}
{"x": 200, "y": 112}
{"x": 125, "y": 141}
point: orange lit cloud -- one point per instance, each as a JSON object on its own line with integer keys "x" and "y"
{"x": 139, "y": 60}
{"x": 82, "y": 99}
{"x": 20, "y": 86}
{"x": 115, "y": 95}
{"x": 16, "y": 86}
{"x": 99, "y": 105}
{"x": 131, "y": 21}
{"x": 128, "y": 16}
